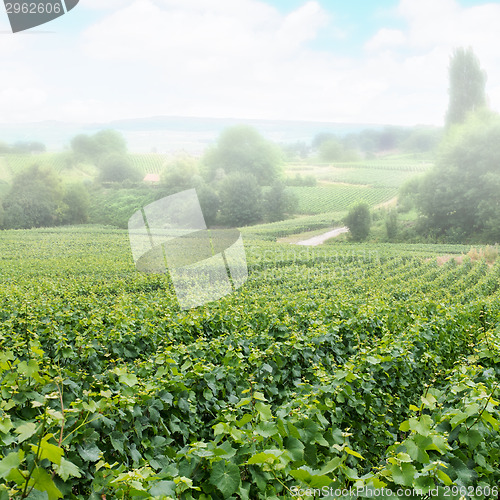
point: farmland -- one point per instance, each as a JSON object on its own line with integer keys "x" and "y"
{"x": 342, "y": 366}
{"x": 336, "y": 198}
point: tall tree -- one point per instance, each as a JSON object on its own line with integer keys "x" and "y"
{"x": 459, "y": 197}
{"x": 467, "y": 86}
{"x": 358, "y": 220}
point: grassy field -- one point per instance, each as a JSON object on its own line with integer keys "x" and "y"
{"x": 336, "y": 367}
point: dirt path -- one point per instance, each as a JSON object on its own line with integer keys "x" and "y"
{"x": 318, "y": 240}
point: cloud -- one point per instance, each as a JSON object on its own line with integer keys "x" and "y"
{"x": 18, "y": 103}
{"x": 386, "y": 38}
{"x": 247, "y": 59}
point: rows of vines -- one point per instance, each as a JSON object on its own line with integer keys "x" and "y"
{"x": 336, "y": 368}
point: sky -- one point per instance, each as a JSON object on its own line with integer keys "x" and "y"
{"x": 341, "y": 61}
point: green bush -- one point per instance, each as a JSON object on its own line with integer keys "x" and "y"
{"x": 358, "y": 221}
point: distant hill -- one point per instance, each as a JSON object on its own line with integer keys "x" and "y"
{"x": 167, "y": 134}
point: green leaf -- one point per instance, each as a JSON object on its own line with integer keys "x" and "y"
{"x": 89, "y": 452}
{"x": 465, "y": 475}
{"x": 226, "y": 477}
{"x": 163, "y": 488}
{"x": 444, "y": 477}
{"x": 471, "y": 438}
{"x": 48, "y": 451}
{"x": 294, "y": 447}
{"x": 353, "y": 453}
{"x": 37, "y": 495}
{"x": 264, "y": 411}
{"x": 128, "y": 379}
{"x": 5, "y": 425}
{"x": 28, "y": 369}
{"x": 117, "y": 440}
{"x": 43, "y": 482}
{"x": 403, "y": 473}
{"x": 67, "y": 469}
{"x": 266, "y": 429}
{"x": 417, "y": 450}
{"x": 404, "y": 457}
{"x": 405, "y": 426}
{"x": 25, "y": 431}
{"x": 265, "y": 457}
{"x": 301, "y": 475}
{"x": 421, "y": 425}
{"x": 332, "y": 465}
{"x": 492, "y": 421}
{"x": 259, "y": 396}
{"x": 458, "y": 419}
{"x": 11, "y": 461}
{"x": 245, "y": 419}
{"x": 429, "y": 400}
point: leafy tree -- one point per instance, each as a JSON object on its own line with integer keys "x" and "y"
{"x": 331, "y": 150}
{"x": 110, "y": 141}
{"x": 242, "y": 149}
{"x": 422, "y": 139}
{"x": 209, "y": 202}
{"x": 179, "y": 175}
{"x": 95, "y": 147}
{"x": 76, "y": 204}
{"x": 358, "y": 220}
{"x": 460, "y": 196}
{"x": 34, "y": 200}
{"x": 84, "y": 147}
{"x": 240, "y": 197}
{"x": 391, "y": 224}
{"x": 467, "y": 86}
{"x": 279, "y": 201}
{"x": 117, "y": 168}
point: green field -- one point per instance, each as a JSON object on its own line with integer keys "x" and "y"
{"x": 339, "y": 185}
{"x": 338, "y": 198}
{"x": 337, "y": 367}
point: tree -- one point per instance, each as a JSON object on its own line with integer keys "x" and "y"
{"x": 460, "y": 195}
{"x": 279, "y": 201}
{"x": 358, "y": 221}
{"x": 240, "y": 197}
{"x": 76, "y": 204}
{"x": 179, "y": 175}
{"x": 242, "y": 149}
{"x": 209, "y": 202}
{"x": 34, "y": 200}
{"x": 391, "y": 224}
{"x": 467, "y": 86}
{"x": 110, "y": 141}
{"x": 95, "y": 147}
{"x": 116, "y": 168}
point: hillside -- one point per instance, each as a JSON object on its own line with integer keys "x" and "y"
{"x": 342, "y": 367}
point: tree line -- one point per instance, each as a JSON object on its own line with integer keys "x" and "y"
{"x": 239, "y": 181}
{"x": 459, "y": 198}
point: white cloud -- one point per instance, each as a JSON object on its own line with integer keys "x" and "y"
{"x": 386, "y": 38}
{"x": 19, "y": 103}
{"x": 245, "y": 58}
